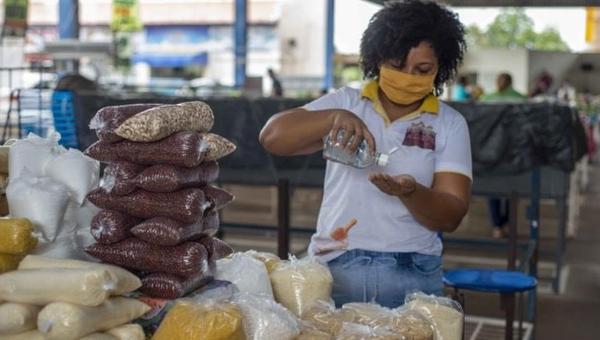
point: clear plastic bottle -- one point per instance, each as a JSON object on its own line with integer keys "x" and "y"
{"x": 361, "y": 158}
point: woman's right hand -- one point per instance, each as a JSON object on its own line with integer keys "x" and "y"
{"x": 353, "y": 126}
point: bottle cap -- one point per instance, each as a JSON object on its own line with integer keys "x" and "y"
{"x": 383, "y": 159}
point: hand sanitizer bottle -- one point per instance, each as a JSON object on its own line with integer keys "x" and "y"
{"x": 362, "y": 158}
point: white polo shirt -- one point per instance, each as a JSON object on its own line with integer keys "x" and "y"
{"x": 435, "y": 138}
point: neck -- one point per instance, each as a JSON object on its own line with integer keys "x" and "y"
{"x": 395, "y": 110}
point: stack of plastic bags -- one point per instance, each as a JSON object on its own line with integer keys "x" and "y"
{"x": 48, "y": 185}
{"x": 422, "y": 317}
{"x": 48, "y": 298}
{"x": 223, "y": 313}
{"x": 159, "y": 209}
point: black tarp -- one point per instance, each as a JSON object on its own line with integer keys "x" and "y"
{"x": 506, "y": 139}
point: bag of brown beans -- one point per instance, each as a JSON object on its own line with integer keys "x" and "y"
{"x": 110, "y": 226}
{"x": 187, "y": 205}
{"x": 168, "y": 178}
{"x": 169, "y": 286}
{"x": 186, "y": 149}
{"x": 187, "y": 259}
{"x": 118, "y": 176}
{"x": 217, "y": 249}
{"x": 168, "y": 232}
{"x": 109, "y": 118}
{"x": 159, "y": 122}
{"x": 219, "y": 198}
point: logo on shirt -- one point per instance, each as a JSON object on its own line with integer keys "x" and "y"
{"x": 418, "y": 134}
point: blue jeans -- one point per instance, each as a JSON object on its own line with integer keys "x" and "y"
{"x": 385, "y": 278}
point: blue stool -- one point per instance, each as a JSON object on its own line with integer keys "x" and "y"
{"x": 507, "y": 283}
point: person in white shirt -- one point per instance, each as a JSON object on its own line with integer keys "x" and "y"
{"x": 378, "y": 228}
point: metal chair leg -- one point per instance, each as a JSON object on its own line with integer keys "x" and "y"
{"x": 508, "y": 304}
{"x": 521, "y": 308}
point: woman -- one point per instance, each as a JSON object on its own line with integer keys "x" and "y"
{"x": 408, "y": 52}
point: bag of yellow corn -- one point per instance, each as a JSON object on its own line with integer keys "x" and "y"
{"x": 9, "y": 262}
{"x": 15, "y": 236}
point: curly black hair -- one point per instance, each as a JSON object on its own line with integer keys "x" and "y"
{"x": 402, "y": 25}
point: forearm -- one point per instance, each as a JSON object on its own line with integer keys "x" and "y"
{"x": 296, "y": 131}
{"x": 438, "y": 211}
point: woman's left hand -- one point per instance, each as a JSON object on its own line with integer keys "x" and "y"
{"x": 401, "y": 186}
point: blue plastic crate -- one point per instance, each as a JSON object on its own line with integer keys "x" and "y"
{"x": 64, "y": 118}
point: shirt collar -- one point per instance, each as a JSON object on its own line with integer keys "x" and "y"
{"x": 370, "y": 91}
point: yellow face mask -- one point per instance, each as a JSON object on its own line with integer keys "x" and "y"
{"x": 404, "y": 88}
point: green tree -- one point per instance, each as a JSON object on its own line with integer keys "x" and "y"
{"x": 512, "y": 28}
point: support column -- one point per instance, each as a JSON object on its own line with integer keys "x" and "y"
{"x": 328, "y": 82}
{"x": 241, "y": 41}
{"x": 68, "y": 19}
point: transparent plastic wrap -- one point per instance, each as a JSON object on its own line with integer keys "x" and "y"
{"x": 265, "y": 318}
{"x": 186, "y": 149}
{"x": 125, "y": 282}
{"x": 29, "y": 335}
{"x": 354, "y": 331}
{"x": 218, "y": 147}
{"x": 109, "y": 118}
{"x": 118, "y": 176}
{"x": 9, "y": 262}
{"x": 17, "y": 318}
{"x": 169, "y": 286}
{"x": 323, "y": 316}
{"x": 219, "y": 198}
{"x": 63, "y": 321}
{"x": 98, "y": 336}
{"x": 32, "y": 153}
{"x": 169, "y": 178}
{"x": 412, "y": 325}
{"x": 247, "y": 273}
{"x": 162, "y": 121}
{"x": 299, "y": 283}
{"x": 212, "y": 221}
{"x": 217, "y": 249}
{"x": 110, "y": 226}
{"x": 42, "y": 200}
{"x": 187, "y": 205}
{"x": 369, "y": 314}
{"x": 16, "y": 236}
{"x": 128, "y": 332}
{"x": 270, "y": 260}
{"x": 67, "y": 245}
{"x": 86, "y": 286}
{"x": 445, "y": 314}
{"x": 76, "y": 171}
{"x": 209, "y": 320}
{"x": 184, "y": 260}
{"x": 310, "y": 332}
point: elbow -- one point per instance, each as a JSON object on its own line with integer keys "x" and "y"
{"x": 453, "y": 225}
{"x": 270, "y": 140}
